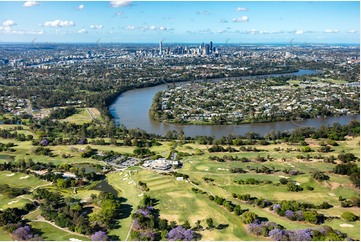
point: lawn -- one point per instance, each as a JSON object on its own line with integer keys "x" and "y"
{"x": 352, "y": 232}
{"x": 122, "y": 181}
{"x": 4, "y": 236}
{"x": 178, "y": 203}
{"x": 17, "y": 179}
{"x": 51, "y": 233}
{"x": 81, "y": 117}
{"x": 16, "y": 202}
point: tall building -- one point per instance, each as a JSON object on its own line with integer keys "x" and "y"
{"x": 160, "y": 48}
{"x": 211, "y": 47}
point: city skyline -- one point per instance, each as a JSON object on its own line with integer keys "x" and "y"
{"x": 180, "y": 22}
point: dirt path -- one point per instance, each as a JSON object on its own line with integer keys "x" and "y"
{"x": 200, "y": 188}
{"x": 33, "y": 211}
{"x": 41, "y": 186}
{"x": 23, "y": 197}
{"x": 130, "y": 229}
{"x": 91, "y": 114}
{"x": 42, "y": 219}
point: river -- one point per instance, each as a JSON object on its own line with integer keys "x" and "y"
{"x": 131, "y": 110}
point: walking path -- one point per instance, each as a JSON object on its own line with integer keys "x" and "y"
{"x": 49, "y": 184}
{"x": 200, "y": 188}
{"x": 130, "y": 229}
{"x": 42, "y": 219}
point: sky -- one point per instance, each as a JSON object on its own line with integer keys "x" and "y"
{"x": 180, "y": 21}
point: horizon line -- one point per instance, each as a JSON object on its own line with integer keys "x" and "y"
{"x": 170, "y": 43}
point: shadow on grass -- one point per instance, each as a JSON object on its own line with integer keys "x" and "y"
{"x": 222, "y": 226}
{"x": 126, "y": 211}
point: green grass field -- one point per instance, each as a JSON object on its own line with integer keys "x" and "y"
{"x": 178, "y": 203}
{"x": 52, "y": 233}
{"x": 176, "y": 200}
{"x": 84, "y": 115}
{"x": 20, "y": 179}
{"x": 123, "y": 183}
{"x": 4, "y": 236}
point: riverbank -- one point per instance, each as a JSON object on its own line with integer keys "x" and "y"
{"x": 131, "y": 110}
{"x": 200, "y": 123}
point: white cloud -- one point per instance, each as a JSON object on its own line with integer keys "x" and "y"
{"x": 152, "y": 27}
{"x": 80, "y": 7}
{"x": 240, "y": 9}
{"x": 130, "y": 27}
{"x": 352, "y": 31}
{"x": 331, "y": 31}
{"x": 8, "y": 30}
{"x": 83, "y": 31}
{"x": 240, "y": 19}
{"x": 165, "y": 28}
{"x": 223, "y": 20}
{"x": 299, "y": 32}
{"x": 9, "y": 23}
{"x": 59, "y": 23}
{"x": 203, "y": 12}
{"x": 96, "y": 26}
{"x": 29, "y": 4}
{"x": 5, "y": 28}
{"x": 119, "y": 3}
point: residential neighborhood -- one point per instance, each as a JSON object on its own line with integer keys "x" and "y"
{"x": 261, "y": 100}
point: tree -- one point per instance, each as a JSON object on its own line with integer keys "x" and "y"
{"x": 24, "y": 233}
{"x": 248, "y": 217}
{"x": 163, "y": 224}
{"x": 179, "y": 233}
{"x": 198, "y": 225}
{"x": 311, "y": 216}
{"x": 99, "y": 236}
{"x": 346, "y": 157}
{"x": 293, "y": 187}
{"x": 186, "y": 225}
{"x": 320, "y": 176}
{"x": 210, "y": 223}
{"x": 283, "y": 181}
{"x": 44, "y": 142}
{"x": 348, "y": 216}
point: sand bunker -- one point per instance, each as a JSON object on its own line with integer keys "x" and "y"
{"x": 346, "y": 225}
{"x": 124, "y": 179}
{"x": 291, "y": 165}
{"x": 191, "y": 162}
{"x": 140, "y": 195}
{"x": 12, "y": 174}
{"x": 130, "y": 182}
{"x": 74, "y": 239}
{"x": 222, "y": 169}
{"x": 24, "y": 177}
{"x": 332, "y": 194}
{"x": 15, "y": 201}
{"x": 284, "y": 177}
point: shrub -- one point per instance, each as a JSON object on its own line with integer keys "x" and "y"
{"x": 99, "y": 236}
{"x": 348, "y": 216}
{"x": 248, "y": 217}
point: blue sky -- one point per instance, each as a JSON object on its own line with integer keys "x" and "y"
{"x": 180, "y": 21}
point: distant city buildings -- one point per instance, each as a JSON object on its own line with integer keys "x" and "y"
{"x": 201, "y": 50}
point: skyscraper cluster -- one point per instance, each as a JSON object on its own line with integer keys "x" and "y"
{"x": 203, "y": 49}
